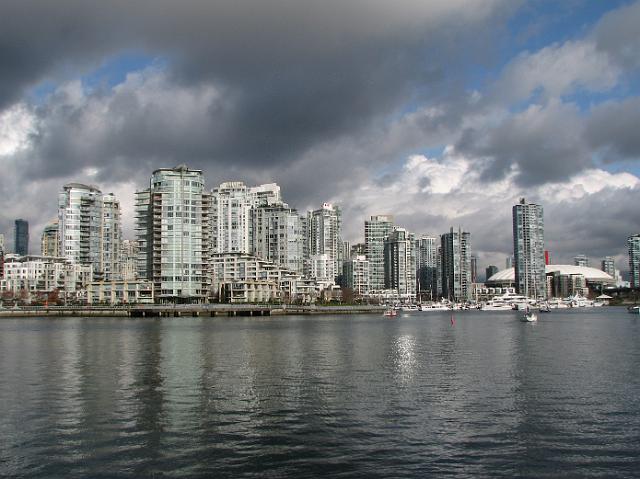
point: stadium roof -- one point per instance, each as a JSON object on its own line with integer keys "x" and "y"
{"x": 590, "y": 274}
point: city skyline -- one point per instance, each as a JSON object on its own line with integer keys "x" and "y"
{"x": 270, "y": 197}
{"x": 439, "y": 113}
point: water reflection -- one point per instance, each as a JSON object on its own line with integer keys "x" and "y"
{"x": 316, "y": 396}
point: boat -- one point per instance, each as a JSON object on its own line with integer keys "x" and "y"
{"x": 634, "y": 309}
{"x": 435, "y": 307}
{"x": 544, "y": 307}
{"x": 410, "y": 308}
{"x": 506, "y": 302}
{"x": 529, "y": 316}
{"x": 390, "y": 313}
{"x": 557, "y": 303}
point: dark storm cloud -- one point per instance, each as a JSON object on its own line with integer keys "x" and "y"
{"x": 617, "y": 35}
{"x": 613, "y": 129}
{"x": 545, "y": 144}
{"x": 597, "y": 225}
{"x": 293, "y": 73}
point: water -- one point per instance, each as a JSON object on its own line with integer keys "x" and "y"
{"x": 331, "y": 396}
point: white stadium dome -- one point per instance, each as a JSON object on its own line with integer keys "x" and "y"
{"x": 590, "y": 274}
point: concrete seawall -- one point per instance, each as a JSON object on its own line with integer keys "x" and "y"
{"x": 206, "y": 310}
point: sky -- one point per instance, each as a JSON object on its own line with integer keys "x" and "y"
{"x": 442, "y": 113}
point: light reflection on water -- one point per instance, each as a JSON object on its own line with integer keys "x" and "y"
{"x": 311, "y": 396}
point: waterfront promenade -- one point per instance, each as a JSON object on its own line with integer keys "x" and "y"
{"x": 183, "y": 310}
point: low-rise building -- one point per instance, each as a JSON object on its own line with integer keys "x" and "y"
{"x": 44, "y": 274}
{"x": 241, "y": 277}
{"x": 249, "y": 291}
{"x": 120, "y": 292}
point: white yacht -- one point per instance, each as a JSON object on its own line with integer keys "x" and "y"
{"x": 506, "y": 302}
{"x": 557, "y": 303}
{"x": 409, "y": 308}
{"x": 435, "y": 307}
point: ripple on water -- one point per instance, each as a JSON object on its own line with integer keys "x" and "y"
{"x": 303, "y": 397}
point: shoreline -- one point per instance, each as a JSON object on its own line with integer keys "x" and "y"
{"x": 209, "y": 310}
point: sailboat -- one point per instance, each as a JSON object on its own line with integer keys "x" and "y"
{"x": 529, "y": 316}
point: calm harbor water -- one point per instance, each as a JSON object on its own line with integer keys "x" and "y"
{"x": 335, "y": 396}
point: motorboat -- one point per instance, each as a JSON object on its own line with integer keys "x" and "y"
{"x": 390, "y": 313}
{"x": 557, "y": 303}
{"x": 410, "y": 308}
{"x": 506, "y": 302}
{"x": 435, "y": 307}
{"x": 634, "y": 309}
{"x": 544, "y": 308}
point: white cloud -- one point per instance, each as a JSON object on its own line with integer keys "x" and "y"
{"x": 428, "y": 195}
{"x": 557, "y": 70}
{"x": 16, "y": 125}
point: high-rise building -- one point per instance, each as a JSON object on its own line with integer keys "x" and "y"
{"x": 89, "y": 227}
{"x": 474, "y": 269}
{"x": 50, "y": 241}
{"x": 581, "y": 260}
{"x": 509, "y": 262}
{"x": 376, "y": 230}
{"x": 633, "y": 242}
{"x": 129, "y": 260}
{"x": 439, "y": 270}
{"x": 324, "y": 235}
{"x": 456, "y": 265}
{"x": 356, "y": 274}
{"x": 21, "y": 237}
{"x": 1, "y": 255}
{"x": 400, "y": 263}
{"x": 172, "y": 228}
{"x": 490, "y": 271}
{"x": 231, "y": 206}
{"x": 426, "y": 248}
{"x": 528, "y": 248}
{"x": 110, "y": 238}
{"x": 358, "y": 249}
{"x": 609, "y": 266}
{"x": 278, "y": 235}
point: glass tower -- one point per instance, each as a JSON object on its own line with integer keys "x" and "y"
{"x": 21, "y": 237}
{"x": 634, "y": 260}
{"x": 324, "y": 236}
{"x": 376, "y": 230}
{"x": 528, "y": 249}
{"x": 400, "y": 263}
{"x": 426, "y": 264}
{"x": 455, "y": 255}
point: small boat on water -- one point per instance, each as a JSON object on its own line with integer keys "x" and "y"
{"x": 544, "y": 308}
{"x": 634, "y": 309}
{"x": 390, "y": 313}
